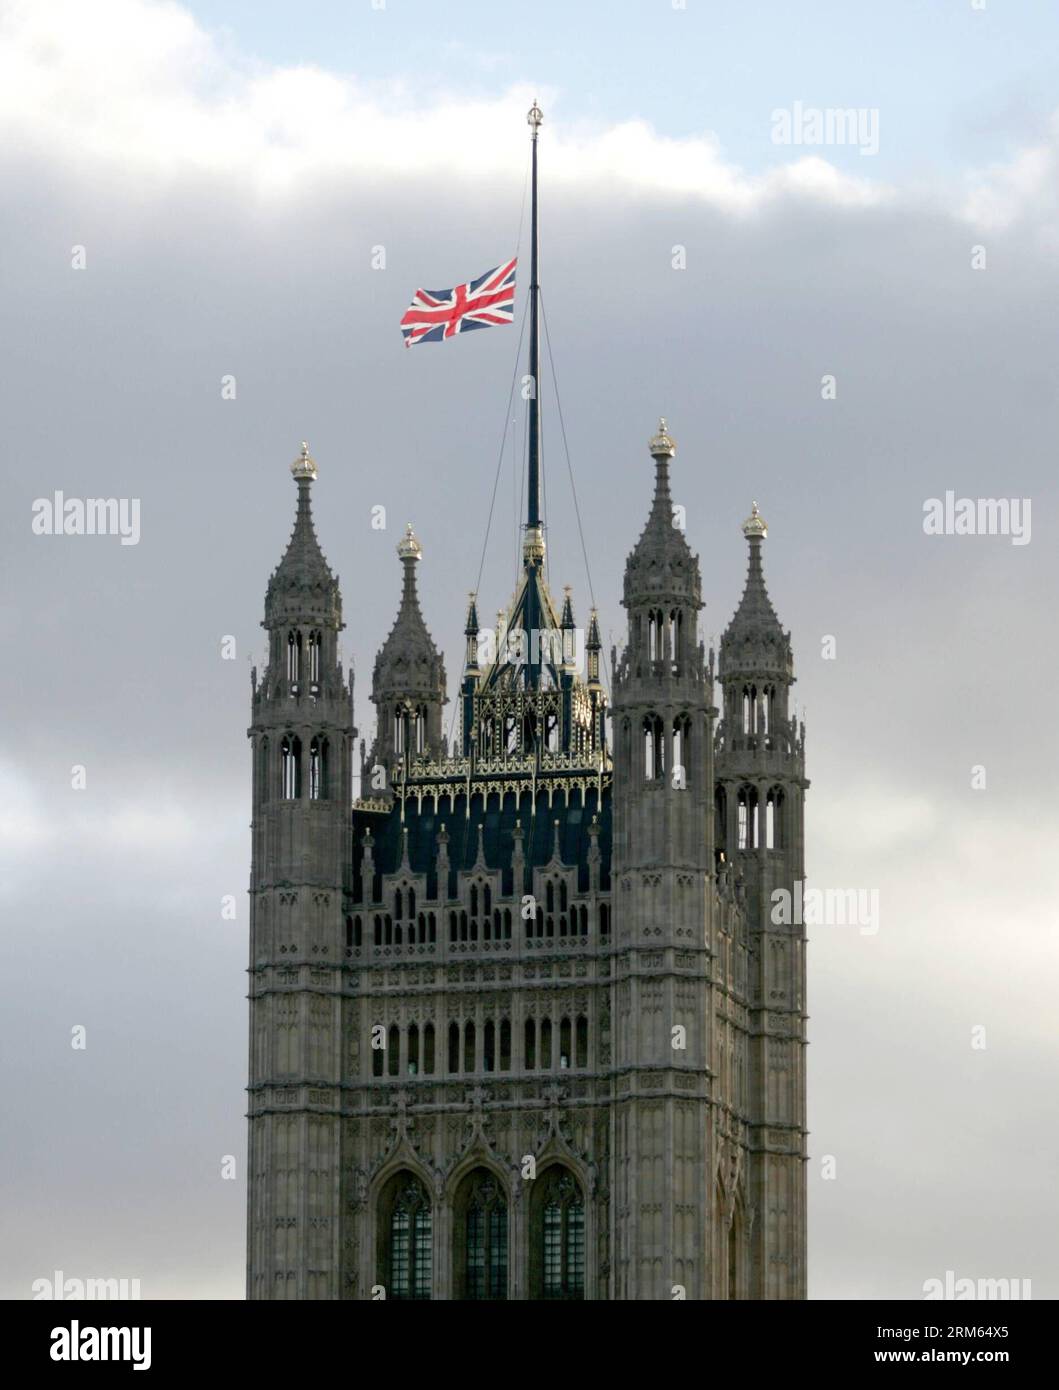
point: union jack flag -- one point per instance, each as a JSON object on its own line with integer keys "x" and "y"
{"x": 434, "y": 315}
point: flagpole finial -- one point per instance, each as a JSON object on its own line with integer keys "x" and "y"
{"x": 535, "y": 116}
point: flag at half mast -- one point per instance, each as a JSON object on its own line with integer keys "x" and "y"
{"x": 435, "y": 315}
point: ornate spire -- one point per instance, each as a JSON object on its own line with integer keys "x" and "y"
{"x": 302, "y": 587}
{"x": 472, "y": 628}
{"x": 754, "y": 641}
{"x": 470, "y": 631}
{"x": 409, "y": 664}
{"x": 567, "y": 620}
{"x": 661, "y": 566}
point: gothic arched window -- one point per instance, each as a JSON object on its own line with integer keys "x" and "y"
{"x": 318, "y": 769}
{"x": 654, "y": 748}
{"x": 774, "y": 830}
{"x": 735, "y": 1251}
{"x": 290, "y": 754}
{"x": 480, "y": 1248}
{"x": 529, "y": 731}
{"x": 747, "y": 819}
{"x": 487, "y": 736}
{"x": 400, "y": 728}
{"x": 315, "y": 640}
{"x": 405, "y": 1253}
{"x": 557, "y": 1236}
{"x": 546, "y": 1044}
{"x": 654, "y": 636}
{"x": 681, "y": 751}
{"x": 582, "y": 1041}
{"x": 294, "y": 656}
{"x": 551, "y": 737}
{"x": 676, "y": 619}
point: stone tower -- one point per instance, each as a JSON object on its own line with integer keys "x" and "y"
{"x": 522, "y": 1023}
{"x": 302, "y": 739}
{"x": 663, "y": 869}
{"x": 760, "y": 796}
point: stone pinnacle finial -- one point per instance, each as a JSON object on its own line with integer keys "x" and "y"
{"x": 663, "y": 445}
{"x": 471, "y": 629}
{"x": 754, "y": 525}
{"x": 408, "y": 547}
{"x": 304, "y": 466}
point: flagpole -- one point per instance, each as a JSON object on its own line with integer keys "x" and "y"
{"x": 533, "y": 545}
{"x": 533, "y": 518}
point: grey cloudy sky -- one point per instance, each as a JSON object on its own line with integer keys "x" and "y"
{"x": 228, "y": 205}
